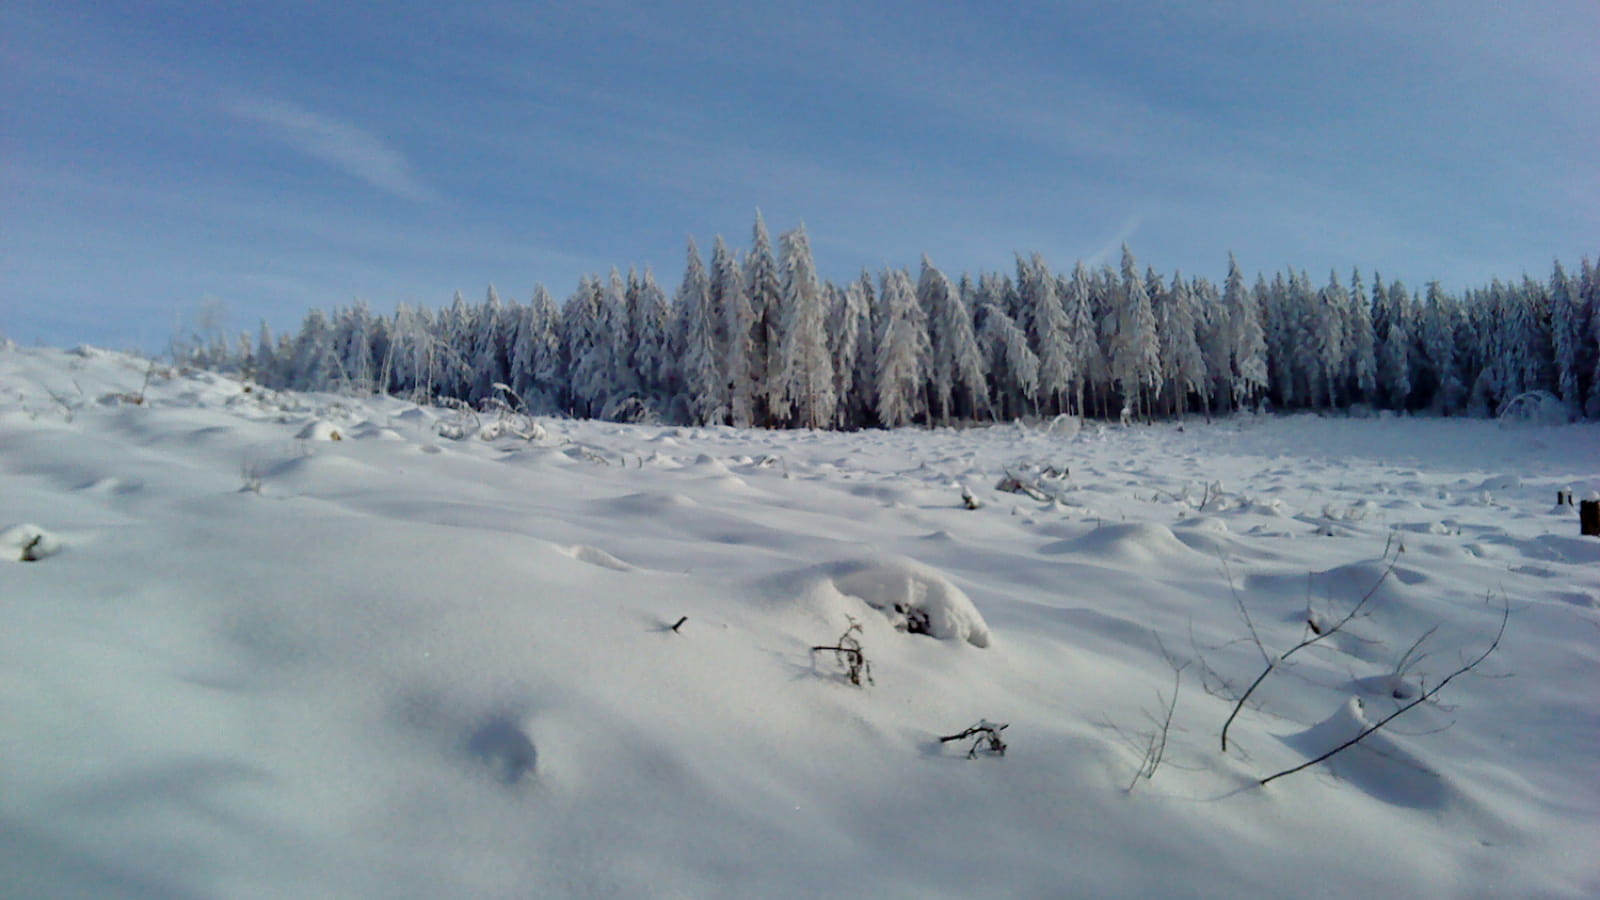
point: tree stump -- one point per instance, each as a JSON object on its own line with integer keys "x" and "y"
{"x": 1589, "y": 517}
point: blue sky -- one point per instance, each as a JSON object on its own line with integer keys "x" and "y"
{"x": 264, "y": 158}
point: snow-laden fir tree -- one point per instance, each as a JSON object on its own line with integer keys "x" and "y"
{"x": 489, "y": 347}
{"x": 902, "y": 352}
{"x": 806, "y": 395}
{"x": 1566, "y": 338}
{"x": 650, "y": 319}
{"x": 1013, "y": 367}
{"x": 312, "y": 366}
{"x": 1329, "y": 342}
{"x": 1211, "y": 334}
{"x": 586, "y": 321}
{"x": 956, "y": 364}
{"x": 1136, "y": 353}
{"x": 1361, "y": 372}
{"x": 701, "y": 363}
{"x": 265, "y": 360}
{"x": 1393, "y": 306}
{"x": 739, "y": 321}
{"x": 847, "y": 315}
{"x": 1589, "y": 295}
{"x": 1077, "y": 301}
{"x": 1054, "y": 343}
{"x": 1183, "y": 368}
{"x": 865, "y": 399}
{"x": 1439, "y": 342}
{"x": 761, "y": 286}
{"x": 1531, "y": 309}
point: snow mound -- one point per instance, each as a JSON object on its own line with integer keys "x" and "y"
{"x": 594, "y": 556}
{"x": 1378, "y": 765}
{"x": 1500, "y": 483}
{"x": 1065, "y": 426}
{"x": 320, "y": 430}
{"x": 1533, "y": 408}
{"x": 28, "y": 543}
{"x": 914, "y": 596}
{"x": 1135, "y": 543}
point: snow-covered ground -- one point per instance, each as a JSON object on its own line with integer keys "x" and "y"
{"x": 277, "y": 645}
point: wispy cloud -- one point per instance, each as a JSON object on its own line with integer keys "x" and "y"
{"x": 338, "y": 143}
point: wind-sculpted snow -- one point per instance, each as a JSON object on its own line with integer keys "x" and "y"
{"x": 578, "y": 662}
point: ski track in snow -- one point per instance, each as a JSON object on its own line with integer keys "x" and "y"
{"x": 274, "y": 644}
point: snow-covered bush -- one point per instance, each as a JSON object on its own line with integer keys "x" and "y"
{"x": 1534, "y": 408}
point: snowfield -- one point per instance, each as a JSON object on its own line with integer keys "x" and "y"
{"x": 263, "y": 644}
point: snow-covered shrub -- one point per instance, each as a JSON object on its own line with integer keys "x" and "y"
{"x": 1534, "y": 408}
{"x": 917, "y": 598}
{"x": 27, "y": 543}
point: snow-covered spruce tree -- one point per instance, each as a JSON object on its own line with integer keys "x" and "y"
{"x": 1051, "y": 333}
{"x": 1077, "y": 301}
{"x": 1329, "y": 340}
{"x": 1361, "y": 364}
{"x": 1136, "y": 354}
{"x": 1439, "y": 342}
{"x": 1566, "y": 338}
{"x": 265, "y": 368}
{"x": 902, "y": 353}
{"x": 1533, "y": 331}
{"x": 488, "y": 355}
{"x": 1183, "y": 368}
{"x": 846, "y": 317}
{"x": 648, "y": 321}
{"x": 1394, "y": 353}
{"x": 624, "y": 393}
{"x": 731, "y": 299}
{"x": 806, "y": 397}
{"x": 1589, "y": 295}
{"x": 407, "y": 361}
{"x": 956, "y": 366}
{"x": 702, "y": 369}
{"x": 761, "y": 286}
{"x": 1013, "y": 367}
{"x": 311, "y": 366}
{"x": 537, "y": 372}
{"x": 864, "y": 397}
{"x": 586, "y": 342}
{"x": 454, "y": 329}
{"x": 353, "y": 367}
{"x": 1101, "y": 395}
{"x": 1211, "y": 333}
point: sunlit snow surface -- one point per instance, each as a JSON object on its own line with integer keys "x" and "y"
{"x": 305, "y": 646}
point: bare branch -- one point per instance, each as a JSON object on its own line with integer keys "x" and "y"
{"x": 1156, "y": 745}
{"x": 1314, "y": 634}
{"x": 847, "y": 652}
{"x": 1423, "y": 697}
{"x": 984, "y": 731}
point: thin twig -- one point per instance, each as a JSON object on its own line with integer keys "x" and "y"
{"x": 1423, "y": 697}
{"x": 1316, "y": 635}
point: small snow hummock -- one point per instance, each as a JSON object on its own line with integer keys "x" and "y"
{"x": 319, "y": 430}
{"x": 917, "y": 597}
{"x": 27, "y": 543}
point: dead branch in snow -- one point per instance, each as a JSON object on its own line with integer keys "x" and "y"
{"x": 847, "y": 653}
{"x": 1425, "y": 695}
{"x": 985, "y": 732}
{"x": 1314, "y": 633}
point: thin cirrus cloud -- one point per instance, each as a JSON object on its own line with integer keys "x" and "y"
{"x": 337, "y": 143}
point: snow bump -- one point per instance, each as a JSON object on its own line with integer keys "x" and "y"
{"x": 916, "y": 597}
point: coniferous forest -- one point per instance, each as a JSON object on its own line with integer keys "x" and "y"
{"x": 758, "y": 338}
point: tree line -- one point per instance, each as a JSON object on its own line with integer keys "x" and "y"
{"x": 758, "y": 339}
